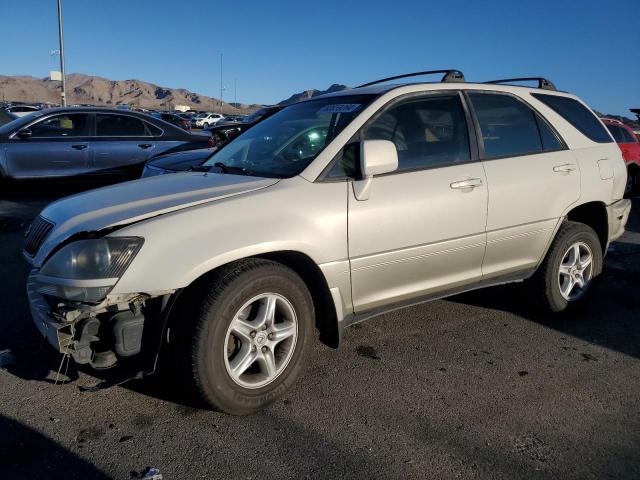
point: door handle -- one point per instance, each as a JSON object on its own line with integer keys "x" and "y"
{"x": 79, "y": 147}
{"x": 468, "y": 183}
{"x": 145, "y": 145}
{"x": 565, "y": 168}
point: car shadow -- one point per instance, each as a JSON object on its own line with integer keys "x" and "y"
{"x": 27, "y": 454}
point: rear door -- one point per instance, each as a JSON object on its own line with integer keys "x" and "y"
{"x": 532, "y": 179}
{"x": 58, "y": 146}
{"x": 121, "y": 143}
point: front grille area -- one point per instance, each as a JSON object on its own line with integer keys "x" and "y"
{"x": 38, "y": 232}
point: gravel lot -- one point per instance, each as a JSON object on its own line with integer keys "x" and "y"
{"x": 476, "y": 386}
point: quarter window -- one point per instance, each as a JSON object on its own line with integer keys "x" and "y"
{"x": 627, "y": 136}
{"x": 428, "y": 132}
{"x": 577, "y": 115}
{"x": 73, "y": 125}
{"x": 119, "y": 126}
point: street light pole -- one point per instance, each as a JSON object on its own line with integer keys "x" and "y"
{"x": 63, "y": 94}
{"x": 221, "y": 87}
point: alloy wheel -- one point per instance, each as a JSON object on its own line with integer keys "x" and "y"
{"x": 260, "y": 340}
{"x": 576, "y": 271}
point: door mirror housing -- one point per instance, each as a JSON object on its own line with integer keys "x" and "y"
{"x": 376, "y": 158}
{"x": 24, "y": 133}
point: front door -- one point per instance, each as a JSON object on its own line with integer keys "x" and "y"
{"x": 422, "y": 229}
{"x": 58, "y": 146}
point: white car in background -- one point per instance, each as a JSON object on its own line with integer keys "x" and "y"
{"x": 205, "y": 120}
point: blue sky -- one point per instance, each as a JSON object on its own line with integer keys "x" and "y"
{"x": 276, "y": 48}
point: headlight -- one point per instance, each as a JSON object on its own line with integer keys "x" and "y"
{"x": 87, "y": 270}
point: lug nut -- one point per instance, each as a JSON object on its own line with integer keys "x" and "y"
{"x": 253, "y": 348}
{"x": 252, "y": 334}
{"x": 264, "y": 349}
{"x": 270, "y": 336}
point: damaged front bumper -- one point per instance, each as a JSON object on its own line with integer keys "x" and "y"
{"x": 101, "y": 334}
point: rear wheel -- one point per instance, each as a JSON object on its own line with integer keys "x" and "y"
{"x": 632, "y": 180}
{"x": 252, "y": 332}
{"x": 572, "y": 262}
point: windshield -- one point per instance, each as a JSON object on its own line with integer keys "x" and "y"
{"x": 283, "y": 145}
{"x": 20, "y": 121}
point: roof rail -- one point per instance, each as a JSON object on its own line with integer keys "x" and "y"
{"x": 543, "y": 83}
{"x": 450, "y": 76}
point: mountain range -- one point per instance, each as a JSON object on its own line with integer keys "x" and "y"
{"x": 93, "y": 90}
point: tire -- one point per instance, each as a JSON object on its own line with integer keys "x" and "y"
{"x": 552, "y": 285}
{"x": 238, "y": 297}
{"x": 205, "y": 125}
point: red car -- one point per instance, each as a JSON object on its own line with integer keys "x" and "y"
{"x": 630, "y": 147}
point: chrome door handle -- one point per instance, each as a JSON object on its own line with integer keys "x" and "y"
{"x": 79, "y": 147}
{"x": 566, "y": 168}
{"x": 145, "y": 145}
{"x": 468, "y": 183}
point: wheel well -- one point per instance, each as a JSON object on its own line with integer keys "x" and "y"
{"x": 312, "y": 276}
{"x": 633, "y": 168}
{"x": 326, "y": 319}
{"x": 593, "y": 214}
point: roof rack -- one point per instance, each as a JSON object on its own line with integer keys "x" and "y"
{"x": 450, "y": 76}
{"x": 543, "y": 83}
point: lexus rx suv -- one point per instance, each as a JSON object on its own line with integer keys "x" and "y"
{"x": 332, "y": 211}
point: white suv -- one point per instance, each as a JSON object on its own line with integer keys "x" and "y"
{"x": 205, "y": 120}
{"x": 333, "y": 210}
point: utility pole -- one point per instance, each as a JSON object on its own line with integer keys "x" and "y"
{"x": 221, "y": 86}
{"x": 63, "y": 94}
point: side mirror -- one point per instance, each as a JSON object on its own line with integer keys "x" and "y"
{"x": 24, "y": 133}
{"x": 376, "y": 157}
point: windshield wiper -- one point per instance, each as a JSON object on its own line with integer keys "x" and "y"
{"x": 230, "y": 169}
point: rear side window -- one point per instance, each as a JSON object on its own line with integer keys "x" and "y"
{"x": 119, "y": 126}
{"x": 428, "y": 132}
{"x": 509, "y": 127}
{"x": 617, "y": 133}
{"x": 577, "y": 115}
{"x": 628, "y": 137}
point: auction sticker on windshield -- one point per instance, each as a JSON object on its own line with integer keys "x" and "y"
{"x": 340, "y": 108}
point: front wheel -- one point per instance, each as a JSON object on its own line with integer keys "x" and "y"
{"x": 205, "y": 125}
{"x": 572, "y": 262}
{"x": 252, "y": 333}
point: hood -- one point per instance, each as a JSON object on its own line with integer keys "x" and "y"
{"x": 131, "y": 202}
{"x": 182, "y": 161}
